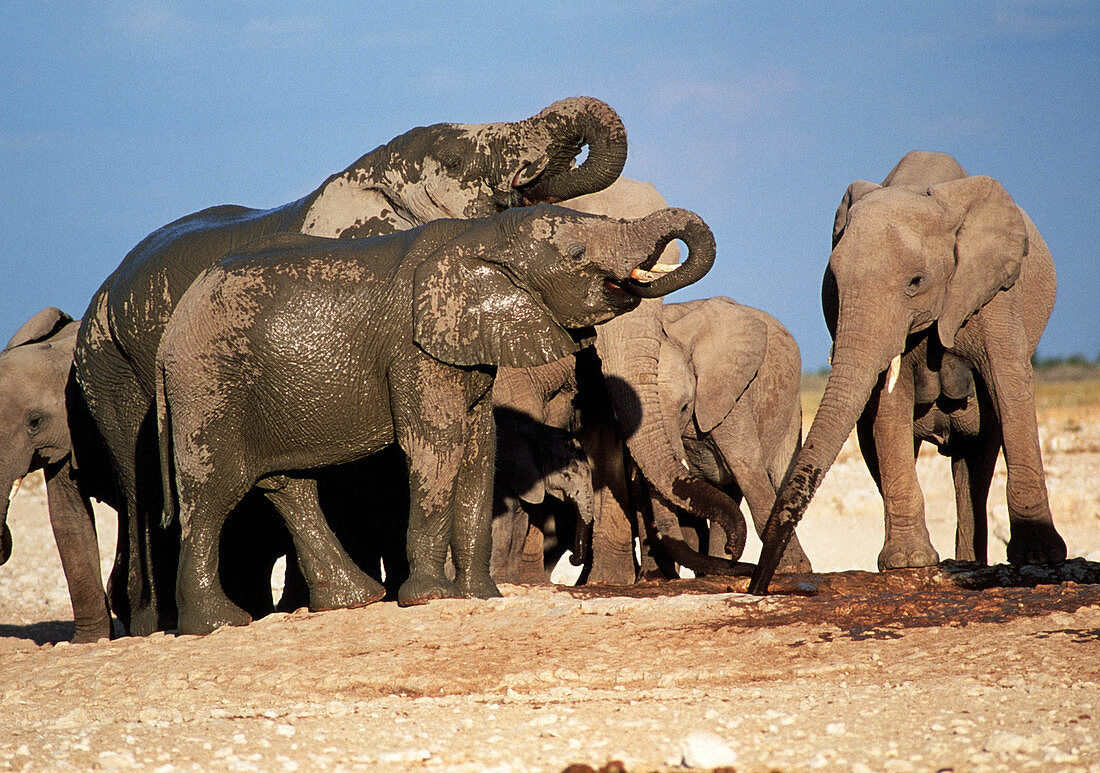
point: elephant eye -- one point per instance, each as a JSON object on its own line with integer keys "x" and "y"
{"x": 575, "y": 251}
{"x": 451, "y": 160}
{"x": 34, "y": 423}
{"x": 915, "y": 284}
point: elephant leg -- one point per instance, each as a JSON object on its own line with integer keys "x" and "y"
{"x": 532, "y": 567}
{"x": 1034, "y": 540}
{"x": 972, "y": 471}
{"x": 472, "y": 506}
{"x": 203, "y": 509}
{"x": 73, "y": 525}
{"x": 334, "y": 581}
{"x": 907, "y": 542}
{"x": 612, "y": 544}
{"x": 738, "y": 441}
{"x": 509, "y": 531}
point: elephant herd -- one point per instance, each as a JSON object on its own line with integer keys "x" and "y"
{"x": 407, "y": 380}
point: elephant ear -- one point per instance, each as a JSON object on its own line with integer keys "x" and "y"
{"x": 468, "y": 311}
{"x": 39, "y": 327}
{"x": 990, "y": 244}
{"x": 855, "y": 192}
{"x": 726, "y": 346}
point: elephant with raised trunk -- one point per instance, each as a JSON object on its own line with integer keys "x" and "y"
{"x": 37, "y": 433}
{"x": 937, "y": 290}
{"x": 297, "y": 353}
{"x": 439, "y": 171}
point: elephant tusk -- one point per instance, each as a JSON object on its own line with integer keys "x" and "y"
{"x": 892, "y": 376}
{"x": 685, "y": 463}
{"x": 15, "y": 488}
{"x": 642, "y": 275}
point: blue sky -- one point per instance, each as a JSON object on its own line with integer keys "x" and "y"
{"x": 118, "y": 117}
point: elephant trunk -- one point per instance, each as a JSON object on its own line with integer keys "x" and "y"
{"x": 859, "y": 358}
{"x": 629, "y": 350}
{"x": 651, "y": 234}
{"x": 571, "y": 124}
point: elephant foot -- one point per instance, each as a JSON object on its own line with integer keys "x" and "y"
{"x": 420, "y": 589}
{"x": 143, "y": 621}
{"x": 912, "y": 553}
{"x": 1035, "y": 543}
{"x": 203, "y": 618}
{"x": 478, "y": 586}
{"x": 347, "y": 593}
{"x": 90, "y": 631}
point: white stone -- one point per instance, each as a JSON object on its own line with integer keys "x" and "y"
{"x": 701, "y": 749}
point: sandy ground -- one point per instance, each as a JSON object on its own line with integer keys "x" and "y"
{"x": 853, "y": 671}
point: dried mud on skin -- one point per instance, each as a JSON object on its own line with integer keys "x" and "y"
{"x": 867, "y": 605}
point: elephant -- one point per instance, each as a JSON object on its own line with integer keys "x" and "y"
{"x": 729, "y": 378}
{"x": 937, "y": 290}
{"x": 439, "y": 171}
{"x": 628, "y": 349}
{"x": 35, "y": 421}
{"x": 298, "y": 352}
{"x": 542, "y": 472}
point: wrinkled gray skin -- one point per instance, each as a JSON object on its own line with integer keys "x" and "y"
{"x": 729, "y": 378}
{"x": 439, "y": 171}
{"x": 946, "y": 271}
{"x": 34, "y": 422}
{"x": 541, "y": 469}
{"x": 298, "y": 353}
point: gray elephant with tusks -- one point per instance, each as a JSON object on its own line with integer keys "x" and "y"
{"x": 297, "y": 353}
{"x": 444, "y": 170}
{"x": 937, "y": 291}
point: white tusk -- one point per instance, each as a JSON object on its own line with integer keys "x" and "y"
{"x": 15, "y": 488}
{"x": 685, "y": 463}
{"x": 892, "y": 376}
{"x": 642, "y": 275}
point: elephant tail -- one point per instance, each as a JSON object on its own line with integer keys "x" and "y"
{"x": 164, "y": 438}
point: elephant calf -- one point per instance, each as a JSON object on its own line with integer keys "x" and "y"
{"x": 37, "y": 432}
{"x": 299, "y": 352}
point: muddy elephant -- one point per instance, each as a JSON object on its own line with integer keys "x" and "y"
{"x": 439, "y": 171}
{"x": 298, "y": 353}
{"x": 728, "y": 381}
{"x": 35, "y": 368}
{"x": 937, "y": 290}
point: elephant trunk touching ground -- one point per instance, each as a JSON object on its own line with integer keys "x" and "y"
{"x": 860, "y": 356}
{"x": 629, "y": 350}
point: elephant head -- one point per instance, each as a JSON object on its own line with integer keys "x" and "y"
{"x": 34, "y": 368}
{"x": 472, "y": 170}
{"x": 907, "y": 256}
{"x": 545, "y": 275}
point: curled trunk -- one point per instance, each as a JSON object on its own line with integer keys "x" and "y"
{"x": 571, "y": 124}
{"x": 651, "y": 234}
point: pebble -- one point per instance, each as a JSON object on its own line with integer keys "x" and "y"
{"x": 702, "y": 749}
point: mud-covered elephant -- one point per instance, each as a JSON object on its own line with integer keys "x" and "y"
{"x": 728, "y": 383}
{"x": 439, "y": 171}
{"x": 937, "y": 290}
{"x": 35, "y": 368}
{"x": 297, "y": 353}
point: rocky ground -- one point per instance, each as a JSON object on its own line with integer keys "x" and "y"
{"x": 936, "y": 669}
